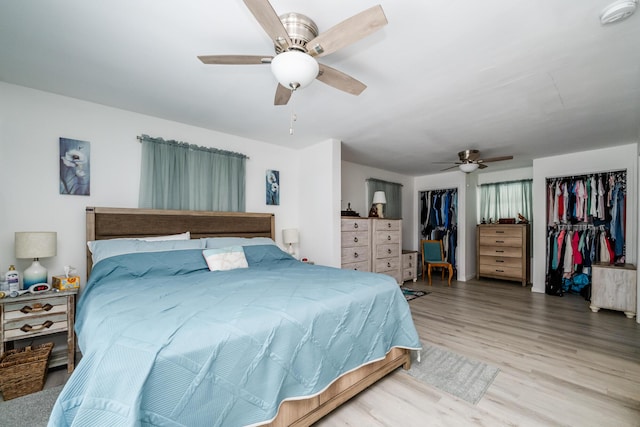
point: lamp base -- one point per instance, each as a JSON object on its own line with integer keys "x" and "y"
{"x": 379, "y": 208}
{"x": 36, "y": 273}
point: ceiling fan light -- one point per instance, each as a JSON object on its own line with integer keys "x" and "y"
{"x": 468, "y": 167}
{"x": 294, "y": 69}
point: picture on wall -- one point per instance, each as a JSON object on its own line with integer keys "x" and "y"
{"x": 75, "y": 167}
{"x": 273, "y": 187}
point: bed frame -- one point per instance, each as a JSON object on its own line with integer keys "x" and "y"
{"x": 109, "y": 223}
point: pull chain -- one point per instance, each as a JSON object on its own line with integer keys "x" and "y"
{"x": 293, "y": 117}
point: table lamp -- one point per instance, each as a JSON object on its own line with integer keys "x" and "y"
{"x": 379, "y": 199}
{"x": 290, "y": 237}
{"x": 36, "y": 245}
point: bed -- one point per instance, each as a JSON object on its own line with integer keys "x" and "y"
{"x": 171, "y": 337}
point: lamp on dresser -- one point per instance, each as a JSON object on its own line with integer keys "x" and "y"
{"x": 35, "y": 245}
{"x": 379, "y": 199}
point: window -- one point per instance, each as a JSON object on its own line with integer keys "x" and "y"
{"x": 178, "y": 175}
{"x": 393, "y": 194}
{"x": 505, "y": 200}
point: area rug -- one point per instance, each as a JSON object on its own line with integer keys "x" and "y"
{"x": 32, "y": 410}
{"x": 453, "y": 373}
{"x": 410, "y": 294}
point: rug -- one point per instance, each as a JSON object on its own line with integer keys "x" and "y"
{"x": 31, "y": 410}
{"x": 453, "y": 373}
{"x": 410, "y": 294}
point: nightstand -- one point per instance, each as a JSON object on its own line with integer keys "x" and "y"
{"x": 32, "y": 316}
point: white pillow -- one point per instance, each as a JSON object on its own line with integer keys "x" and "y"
{"x": 101, "y": 249}
{"x": 229, "y": 258}
{"x": 223, "y": 242}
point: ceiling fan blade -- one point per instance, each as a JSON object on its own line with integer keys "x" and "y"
{"x": 270, "y": 22}
{"x": 340, "y": 80}
{"x": 347, "y": 32}
{"x": 446, "y": 169}
{"x": 282, "y": 95}
{"x": 446, "y": 163}
{"x": 495, "y": 159}
{"x": 482, "y": 166}
{"x": 235, "y": 59}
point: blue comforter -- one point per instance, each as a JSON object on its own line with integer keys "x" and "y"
{"x": 166, "y": 342}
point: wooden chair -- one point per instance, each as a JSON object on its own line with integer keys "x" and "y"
{"x": 433, "y": 256}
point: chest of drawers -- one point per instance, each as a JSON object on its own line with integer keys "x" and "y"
{"x": 614, "y": 287}
{"x": 31, "y": 316}
{"x": 386, "y": 237}
{"x": 356, "y": 243}
{"x": 409, "y": 265}
{"x": 503, "y": 252}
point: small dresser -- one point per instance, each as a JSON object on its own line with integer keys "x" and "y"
{"x": 614, "y": 287}
{"x": 356, "y": 243}
{"x": 409, "y": 265}
{"x": 503, "y": 252}
{"x": 386, "y": 237}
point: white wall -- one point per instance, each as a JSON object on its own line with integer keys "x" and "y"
{"x": 31, "y": 123}
{"x": 354, "y": 191}
{"x": 585, "y": 162}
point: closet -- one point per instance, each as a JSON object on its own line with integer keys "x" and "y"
{"x": 585, "y": 223}
{"x": 438, "y": 220}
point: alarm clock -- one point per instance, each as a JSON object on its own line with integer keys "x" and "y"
{"x": 37, "y": 288}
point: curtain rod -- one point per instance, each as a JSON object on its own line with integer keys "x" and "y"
{"x": 142, "y": 137}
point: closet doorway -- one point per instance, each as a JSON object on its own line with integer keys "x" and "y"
{"x": 439, "y": 221}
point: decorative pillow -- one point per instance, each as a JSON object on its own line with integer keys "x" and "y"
{"x": 261, "y": 255}
{"x": 101, "y": 249}
{"x": 223, "y": 242}
{"x": 228, "y": 258}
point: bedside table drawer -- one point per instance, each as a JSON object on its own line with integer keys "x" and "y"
{"x": 39, "y": 307}
{"x": 34, "y": 326}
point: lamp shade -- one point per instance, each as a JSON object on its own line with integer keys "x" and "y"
{"x": 468, "y": 167}
{"x": 290, "y": 235}
{"x": 294, "y": 69}
{"x": 379, "y": 197}
{"x": 35, "y": 244}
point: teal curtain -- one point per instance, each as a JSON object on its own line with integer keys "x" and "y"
{"x": 393, "y": 194}
{"x": 178, "y": 175}
{"x": 506, "y": 200}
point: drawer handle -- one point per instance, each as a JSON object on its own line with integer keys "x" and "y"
{"x": 499, "y": 260}
{"x": 499, "y": 271}
{"x": 499, "y": 241}
{"x": 410, "y": 257}
{"x": 410, "y": 265}
{"x": 355, "y": 240}
{"x": 389, "y": 224}
{"x": 355, "y": 254}
{"x": 499, "y": 231}
{"x": 389, "y": 264}
{"x": 355, "y": 225}
{"x": 499, "y": 251}
{"x": 29, "y": 328}
{"x": 389, "y": 251}
{"x": 36, "y": 308}
{"x": 388, "y": 237}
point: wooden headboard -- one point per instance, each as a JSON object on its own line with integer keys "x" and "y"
{"x": 113, "y": 223}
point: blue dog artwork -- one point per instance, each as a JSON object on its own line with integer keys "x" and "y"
{"x": 75, "y": 177}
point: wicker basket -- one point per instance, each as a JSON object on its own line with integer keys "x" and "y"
{"x": 24, "y": 371}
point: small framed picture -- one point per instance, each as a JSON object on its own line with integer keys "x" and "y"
{"x": 273, "y": 187}
{"x": 75, "y": 167}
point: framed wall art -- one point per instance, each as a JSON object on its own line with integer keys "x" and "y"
{"x": 273, "y": 187}
{"x": 75, "y": 167}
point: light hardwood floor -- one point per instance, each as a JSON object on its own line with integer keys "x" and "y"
{"x": 560, "y": 364}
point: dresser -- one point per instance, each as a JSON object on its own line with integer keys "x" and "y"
{"x": 33, "y": 316}
{"x": 614, "y": 287}
{"x": 386, "y": 240}
{"x": 503, "y": 252}
{"x": 356, "y": 243}
{"x": 409, "y": 265}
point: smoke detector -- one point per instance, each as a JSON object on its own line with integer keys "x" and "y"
{"x": 617, "y": 11}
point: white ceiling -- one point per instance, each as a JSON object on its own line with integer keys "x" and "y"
{"x": 523, "y": 78}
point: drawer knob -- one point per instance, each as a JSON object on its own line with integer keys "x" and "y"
{"x": 36, "y": 308}
{"x": 355, "y": 254}
{"x": 355, "y": 225}
{"x": 29, "y": 328}
{"x": 389, "y": 251}
{"x": 355, "y": 240}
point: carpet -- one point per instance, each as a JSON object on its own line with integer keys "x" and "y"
{"x": 410, "y": 294}
{"x": 31, "y": 410}
{"x": 453, "y": 373}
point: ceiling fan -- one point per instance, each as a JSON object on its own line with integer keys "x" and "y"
{"x": 470, "y": 160}
{"x": 297, "y": 43}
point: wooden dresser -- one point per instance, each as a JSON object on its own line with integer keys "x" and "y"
{"x": 386, "y": 238}
{"x": 503, "y": 252}
{"x": 409, "y": 265}
{"x": 614, "y": 287}
{"x": 356, "y": 243}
